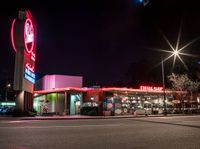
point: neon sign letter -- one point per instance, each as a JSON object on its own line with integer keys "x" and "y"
{"x": 28, "y": 36}
{"x": 151, "y": 88}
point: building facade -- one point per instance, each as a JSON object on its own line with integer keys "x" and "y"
{"x": 64, "y": 95}
{"x": 112, "y": 101}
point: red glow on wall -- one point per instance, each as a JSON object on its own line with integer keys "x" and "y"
{"x": 29, "y": 36}
{"x": 151, "y": 88}
{"x": 12, "y": 35}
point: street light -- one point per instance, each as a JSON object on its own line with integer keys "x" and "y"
{"x": 177, "y": 51}
{"x": 174, "y": 52}
{"x": 9, "y": 85}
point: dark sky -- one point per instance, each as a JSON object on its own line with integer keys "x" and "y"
{"x": 99, "y": 39}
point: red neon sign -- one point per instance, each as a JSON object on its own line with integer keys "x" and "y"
{"x": 29, "y": 35}
{"x": 151, "y": 88}
{"x": 33, "y": 56}
{"x": 29, "y": 43}
{"x": 12, "y": 35}
{"x": 30, "y": 67}
{"x": 23, "y": 39}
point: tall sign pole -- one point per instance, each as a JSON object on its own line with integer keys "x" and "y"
{"x": 23, "y": 37}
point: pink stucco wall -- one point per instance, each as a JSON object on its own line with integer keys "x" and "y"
{"x": 68, "y": 81}
{"x": 59, "y": 81}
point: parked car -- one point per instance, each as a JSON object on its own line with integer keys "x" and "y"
{"x": 89, "y": 109}
{"x": 6, "y": 110}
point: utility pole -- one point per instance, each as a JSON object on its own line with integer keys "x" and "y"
{"x": 164, "y": 94}
{"x": 8, "y": 85}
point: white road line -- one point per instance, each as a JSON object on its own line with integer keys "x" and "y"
{"x": 46, "y": 127}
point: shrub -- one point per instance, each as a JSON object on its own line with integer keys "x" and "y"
{"x": 17, "y": 112}
{"x": 92, "y": 113}
{"x": 29, "y": 113}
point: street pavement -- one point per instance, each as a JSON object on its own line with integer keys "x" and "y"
{"x": 177, "y": 132}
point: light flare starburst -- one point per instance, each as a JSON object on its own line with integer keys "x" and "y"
{"x": 177, "y": 51}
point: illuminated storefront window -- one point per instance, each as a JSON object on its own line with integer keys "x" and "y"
{"x": 126, "y": 104}
{"x": 45, "y": 103}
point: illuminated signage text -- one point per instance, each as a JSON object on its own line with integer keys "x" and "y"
{"x": 30, "y": 76}
{"x": 29, "y": 35}
{"x": 151, "y": 88}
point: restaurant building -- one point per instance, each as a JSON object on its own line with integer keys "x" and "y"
{"x": 65, "y": 95}
{"x": 68, "y": 98}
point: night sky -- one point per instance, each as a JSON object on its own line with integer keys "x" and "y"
{"x": 108, "y": 42}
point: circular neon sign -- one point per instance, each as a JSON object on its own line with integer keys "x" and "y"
{"x": 29, "y": 36}
{"x": 12, "y": 35}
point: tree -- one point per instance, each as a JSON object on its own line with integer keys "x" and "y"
{"x": 181, "y": 82}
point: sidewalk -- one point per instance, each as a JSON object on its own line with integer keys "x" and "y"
{"x": 78, "y": 117}
{"x": 56, "y": 117}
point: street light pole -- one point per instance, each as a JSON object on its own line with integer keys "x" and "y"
{"x": 164, "y": 95}
{"x": 6, "y": 94}
{"x": 92, "y": 99}
{"x": 8, "y": 85}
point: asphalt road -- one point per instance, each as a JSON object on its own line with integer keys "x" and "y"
{"x": 133, "y": 133}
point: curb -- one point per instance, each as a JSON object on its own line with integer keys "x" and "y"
{"x": 89, "y": 117}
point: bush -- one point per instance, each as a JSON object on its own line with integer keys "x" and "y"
{"x": 17, "y": 112}
{"x": 92, "y": 113}
{"x": 30, "y": 113}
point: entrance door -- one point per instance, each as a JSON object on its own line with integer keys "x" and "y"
{"x": 77, "y": 107}
{"x": 75, "y": 103}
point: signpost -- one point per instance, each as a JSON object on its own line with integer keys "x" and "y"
{"x": 23, "y": 37}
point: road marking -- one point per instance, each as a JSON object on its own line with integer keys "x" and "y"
{"x": 19, "y": 121}
{"x": 14, "y": 122}
{"x": 46, "y": 127}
